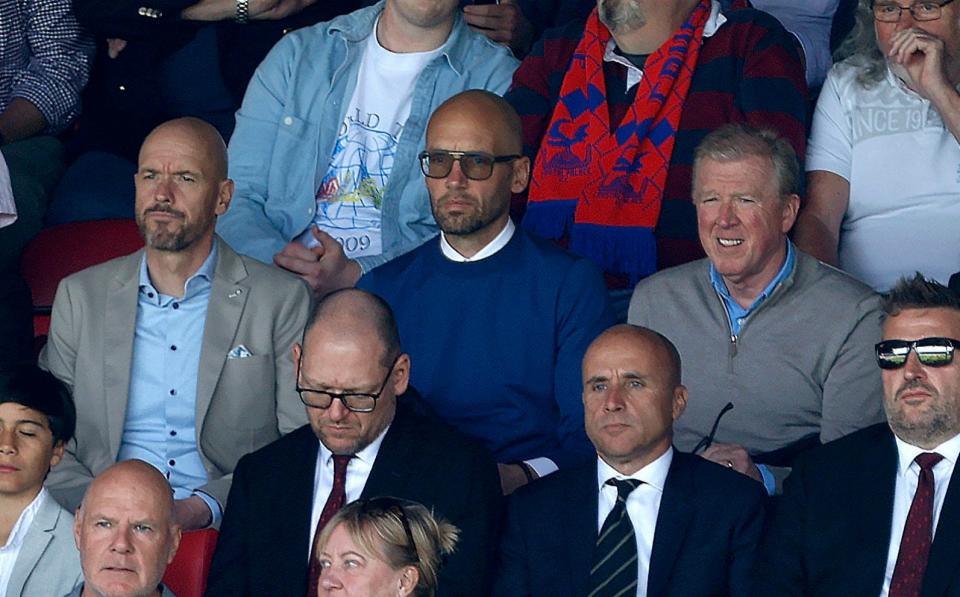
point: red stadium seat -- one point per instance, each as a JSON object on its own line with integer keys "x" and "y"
{"x": 187, "y": 574}
{"x": 59, "y": 251}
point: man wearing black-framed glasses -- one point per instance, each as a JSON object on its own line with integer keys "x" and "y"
{"x": 364, "y": 440}
{"x": 499, "y": 319}
{"x": 883, "y": 501}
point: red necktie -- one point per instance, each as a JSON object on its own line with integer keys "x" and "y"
{"x": 917, "y": 532}
{"x": 335, "y": 501}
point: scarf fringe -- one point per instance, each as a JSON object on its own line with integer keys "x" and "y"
{"x": 626, "y": 250}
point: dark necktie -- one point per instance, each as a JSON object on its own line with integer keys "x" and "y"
{"x": 614, "y": 571}
{"x": 917, "y": 532}
{"x": 335, "y": 501}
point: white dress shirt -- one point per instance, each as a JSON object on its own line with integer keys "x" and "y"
{"x": 643, "y": 506}
{"x": 8, "y": 209}
{"x": 908, "y": 476}
{"x": 358, "y": 471}
{"x": 10, "y": 551}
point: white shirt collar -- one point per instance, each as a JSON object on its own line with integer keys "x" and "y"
{"x": 634, "y": 74}
{"x": 950, "y": 450}
{"x": 24, "y": 521}
{"x": 498, "y": 242}
{"x": 654, "y": 474}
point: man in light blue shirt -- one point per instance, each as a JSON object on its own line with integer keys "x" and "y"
{"x": 325, "y": 149}
{"x": 178, "y": 355}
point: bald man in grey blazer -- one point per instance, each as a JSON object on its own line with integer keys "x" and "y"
{"x": 179, "y": 354}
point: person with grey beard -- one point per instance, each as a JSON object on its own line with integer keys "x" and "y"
{"x": 612, "y": 136}
{"x": 884, "y": 159}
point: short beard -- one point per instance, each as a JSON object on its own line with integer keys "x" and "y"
{"x": 161, "y": 238}
{"x": 463, "y": 224}
{"x": 621, "y": 16}
{"x": 933, "y": 428}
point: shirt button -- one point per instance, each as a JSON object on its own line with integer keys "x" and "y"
{"x": 176, "y": 305}
{"x": 173, "y": 433}
{"x": 173, "y": 392}
{"x": 287, "y": 120}
{"x": 122, "y": 88}
{"x": 740, "y": 320}
{"x": 173, "y": 463}
{"x": 173, "y": 347}
{"x": 150, "y": 294}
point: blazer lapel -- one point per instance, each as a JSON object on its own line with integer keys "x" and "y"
{"x": 396, "y": 459}
{"x": 873, "y": 502}
{"x": 119, "y": 323}
{"x": 676, "y": 512}
{"x": 34, "y": 544}
{"x": 293, "y": 535}
{"x": 945, "y": 553}
{"x": 228, "y": 297}
{"x": 579, "y": 527}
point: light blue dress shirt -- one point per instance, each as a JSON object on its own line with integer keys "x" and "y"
{"x": 737, "y": 316}
{"x": 161, "y": 419}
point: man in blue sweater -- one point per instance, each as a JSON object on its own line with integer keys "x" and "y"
{"x": 497, "y": 319}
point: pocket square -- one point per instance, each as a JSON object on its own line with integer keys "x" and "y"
{"x": 240, "y": 352}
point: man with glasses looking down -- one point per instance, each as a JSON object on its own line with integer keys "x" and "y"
{"x": 363, "y": 441}
{"x": 884, "y": 155}
{"x": 877, "y": 512}
{"x": 497, "y": 319}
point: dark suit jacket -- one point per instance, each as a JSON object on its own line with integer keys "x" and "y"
{"x": 831, "y": 531}
{"x": 707, "y": 531}
{"x": 265, "y": 535}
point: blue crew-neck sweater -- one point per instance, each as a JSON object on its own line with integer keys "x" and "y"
{"x": 496, "y": 344}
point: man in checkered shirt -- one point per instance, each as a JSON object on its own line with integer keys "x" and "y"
{"x": 44, "y": 62}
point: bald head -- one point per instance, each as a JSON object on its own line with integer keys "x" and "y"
{"x": 357, "y": 314}
{"x": 125, "y": 531}
{"x": 649, "y": 340}
{"x": 202, "y": 134}
{"x": 486, "y": 109}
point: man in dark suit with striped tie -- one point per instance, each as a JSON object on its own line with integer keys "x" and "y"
{"x": 644, "y": 519}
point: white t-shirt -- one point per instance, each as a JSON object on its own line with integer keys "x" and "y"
{"x": 903, "y": 166}
{"x": 350, "y": 196}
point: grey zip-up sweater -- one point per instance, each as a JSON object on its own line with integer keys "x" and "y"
{"x": 802, "y": 364}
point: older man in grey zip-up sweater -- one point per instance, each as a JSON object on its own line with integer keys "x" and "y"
{"x": 784, "y": 338}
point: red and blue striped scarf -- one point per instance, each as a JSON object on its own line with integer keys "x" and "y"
{"x": 600, "y": 189}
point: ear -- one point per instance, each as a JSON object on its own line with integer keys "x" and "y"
{"x": 401, "y": 374}
{"x": 224, "y": 195}
{"x": 57, "y": 455}
{"x": 679, "y": 401}
{"x": 791, "y": 206}
{"x": 521, "y": 174}
{"x": 409, "y": 577}
{"x": 77, "y": 523}
{"x": 175, "y": 535}
{"x": 296, "y": 351}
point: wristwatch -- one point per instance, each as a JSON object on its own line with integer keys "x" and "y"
{"x": 243, "y": 11}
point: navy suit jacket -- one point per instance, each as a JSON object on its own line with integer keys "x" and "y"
{"x": 706, "y": 535}
{"x": 831, "y": 532}
{"x": 265, "y": 535}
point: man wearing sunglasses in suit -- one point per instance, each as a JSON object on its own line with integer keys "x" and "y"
{"x": 877, "y": 512}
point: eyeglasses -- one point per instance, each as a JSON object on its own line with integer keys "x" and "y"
{"x": 358, "y": 402}
{"x": 475, "y": 165}
{"x": 890, "y": 12}
{"x": 387, "y": 506}
{"x": 704, "y": 443}
{"x": 931, "y": 352}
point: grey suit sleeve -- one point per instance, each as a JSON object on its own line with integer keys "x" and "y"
{"x": 291, "y": 413}
{"x": 68, "y": 481}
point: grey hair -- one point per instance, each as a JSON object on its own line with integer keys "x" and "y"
{"x": 736, "y": 142}
{"x": 860, "y": 48}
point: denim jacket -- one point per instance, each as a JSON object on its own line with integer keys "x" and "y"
{"x": 288, "y": 124}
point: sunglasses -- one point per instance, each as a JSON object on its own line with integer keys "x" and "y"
{"x": 931, "y": 352}
{"x": 475, "y": 165}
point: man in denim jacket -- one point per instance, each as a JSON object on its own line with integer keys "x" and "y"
{"x": 324, "y": 153}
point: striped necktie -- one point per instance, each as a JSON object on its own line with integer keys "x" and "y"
{"x": 614, "y": 571}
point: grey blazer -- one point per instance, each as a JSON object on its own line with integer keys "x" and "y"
{"x": 48, "y": 562}
{"x": 242, "y": 403}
